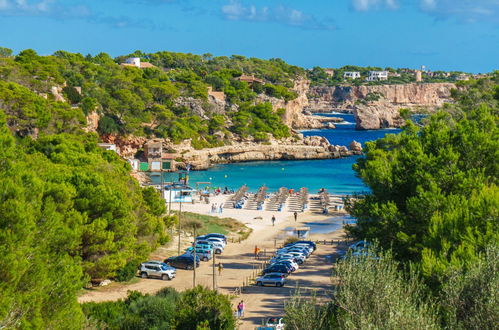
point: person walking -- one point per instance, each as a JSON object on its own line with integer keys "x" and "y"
{"x": 221, "y": 208}
{"x": 273, "y": 220}
{"x": 240, "y": 309}
{"x": 220, "y": 268}
{"x": 296, "y": 215}
{"x": 257, "y": 251}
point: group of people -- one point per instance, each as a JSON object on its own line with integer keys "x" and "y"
{"x": 240, "y": 309}
{"x": 226, "y": 191}
{"x": 215, "y": 209}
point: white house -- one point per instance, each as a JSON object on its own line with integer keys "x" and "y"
{"x": 377, "y": 75}
{"x": 133, "y": 61}
{"x": 351, "y": 74}
{"x": 108, "y": 146}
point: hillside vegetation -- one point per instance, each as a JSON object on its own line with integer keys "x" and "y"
{"x": 432, "y": 214}
{"x": 148, "y": 101}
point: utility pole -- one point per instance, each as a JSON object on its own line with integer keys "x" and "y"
{"x": 170, "y": 199}
{"x": 214, "y": 280}
{"x": 179, "y": 217}
{"x": 194, "y": 274}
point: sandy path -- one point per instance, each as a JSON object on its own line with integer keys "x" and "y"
{"x": 239, "y": 263}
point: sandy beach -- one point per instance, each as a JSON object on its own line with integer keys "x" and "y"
{"x": 239, "y": 264}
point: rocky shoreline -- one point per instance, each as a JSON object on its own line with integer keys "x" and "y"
{"x": 313, "y": 147}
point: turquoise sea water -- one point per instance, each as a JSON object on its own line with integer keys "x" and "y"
{"x": 336, "y": 175}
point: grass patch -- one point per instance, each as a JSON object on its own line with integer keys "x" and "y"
{"x": 226, "y": 226}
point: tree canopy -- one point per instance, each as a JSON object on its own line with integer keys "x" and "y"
{"x": 434, "y": 196}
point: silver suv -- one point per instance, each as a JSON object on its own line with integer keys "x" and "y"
{"x": 157, "y": 269}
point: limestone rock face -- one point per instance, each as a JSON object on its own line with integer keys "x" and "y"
{"x": 57, "y": 93}
{"x": 294, "y": 116}
{"x": 355, "y": 146}
{"x": 200, "y": 107}
{"x": 92, "y": 122}
{"x": 382, "y": 110}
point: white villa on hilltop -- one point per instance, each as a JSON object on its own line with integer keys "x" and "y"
{"x": 351, "y": 74}
{"x": 135, "y": 61}
{"x": 377, "y": 75}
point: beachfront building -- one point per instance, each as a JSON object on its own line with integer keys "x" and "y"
{"x": 156, "y": 160}
{"x": 177, "y": 193}
{"x": 351, "y": 75}
{"x": 377, "y": 75}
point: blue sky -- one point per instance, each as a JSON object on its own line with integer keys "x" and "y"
{"x": 441, "y": 34}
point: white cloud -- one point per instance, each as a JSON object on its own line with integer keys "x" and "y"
{"x": 40, "y": 8}
{"x": 366, "y": 5}
{"x": 237, "y": 11}
{"x": 463, "y": 10}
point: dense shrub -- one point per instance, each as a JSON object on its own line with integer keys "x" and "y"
{"x": 128, "y": 272}
{"x": 200, "y": 305}
{"x": 197, "y": 308}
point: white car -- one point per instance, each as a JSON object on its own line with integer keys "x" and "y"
{"x": 303, "y": 245}
{"x": 218, "y": 247}
{"x": 298, "y": 254}
{"x": 216, "y": 240}
{"x": 275, "y": 279}
{"x": 157, "y": 269}
{"x": 275, "y": 322}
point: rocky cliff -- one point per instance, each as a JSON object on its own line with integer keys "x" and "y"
{"x": 378, "y": 106}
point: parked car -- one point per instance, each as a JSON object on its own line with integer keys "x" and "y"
{"x": 216, "y": 240}
{"x": 216, "y": 235}
{"x": 295, "y": 251}
{"x": 306, "y": 246}
{"x": 304, "y": 251}
{"x": 185, "y": 261}
{"x": 203, "y": 254}
{"x": 218, "y": 247}
{"x": 285, "y": 264}
{"x": 293, "y": 264}
{"x": 359, "y": 246}
{"x": 204, "y": 246}
{"x": 297, "y": 256}
{"x": 276, "y": 323}
{"x": 287, "y": 257}
{"x": 276, "y": 279}
{"x": 277, "y": 268}
{"x": 157, "y": 269}
{"x": 310, "y": 243}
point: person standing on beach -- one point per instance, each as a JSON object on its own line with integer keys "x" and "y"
{"x": 242, "y": 308}
{"x": 273, "y": 220}
{"x": 221, "y": 208}
{"x": 296, "y": 215}
{"x": 220, "y": 268}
